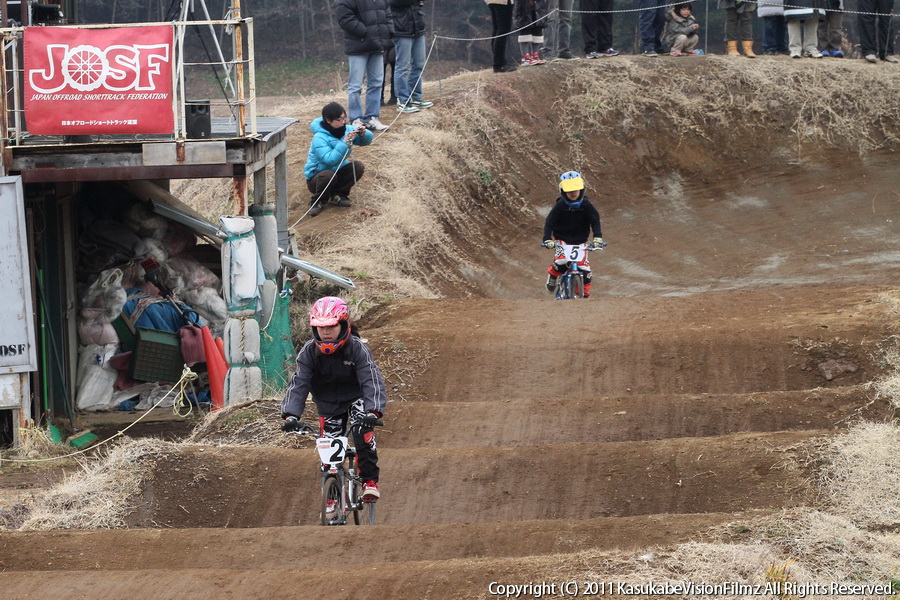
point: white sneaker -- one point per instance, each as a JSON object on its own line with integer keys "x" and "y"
{"x": 357, "y": 123}
{"x": 377, "y": 125}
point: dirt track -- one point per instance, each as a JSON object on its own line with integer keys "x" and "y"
{"x": 683, "y": 396}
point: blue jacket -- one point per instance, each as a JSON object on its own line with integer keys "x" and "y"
{"x": 326, "y": 152}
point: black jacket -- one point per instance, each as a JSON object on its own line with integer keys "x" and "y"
{"x": 408, "y": 17}
{"x": 572, "y": 226}
{"x": 335, "y": 380}
{"x": 366, "y": 24}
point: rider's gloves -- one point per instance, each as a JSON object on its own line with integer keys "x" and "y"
{"x": 598, "y": 242}
{"x": 291, "y": 424}
{"x": 370, "y": 418}
{"x": 549, "y": 244}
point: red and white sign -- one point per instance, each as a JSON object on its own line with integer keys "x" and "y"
{"x": 91, "y": 81}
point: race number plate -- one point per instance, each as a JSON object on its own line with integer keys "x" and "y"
{"x": 574, "y": 253}
{"x": 331, "y": 450}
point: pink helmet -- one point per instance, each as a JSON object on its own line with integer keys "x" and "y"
{"x": 328, "y": 312}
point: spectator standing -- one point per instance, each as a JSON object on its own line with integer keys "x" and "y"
{"x": 529, "y": 17}
{"x": 558, "y": 34}
{"x": 831, "y": 36}
{"x": 680, "y": 35}
{"x": 409, "y": 42}
{"x": 876, "y": 39}
{"x": 738, "y": 26}
{"x": 367, "y": 33}
{"x": 501, "y": 25}
{"x": 774, "y": 40}
{"x": 596, "y": 28}
{"x": 802, "y": 18}
{"x": 650, "y": 25}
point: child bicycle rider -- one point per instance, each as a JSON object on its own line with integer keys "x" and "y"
{"x": 570, "y": 222}
{"x": 346, "y": 386}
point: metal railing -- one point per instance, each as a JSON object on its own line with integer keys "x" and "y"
{"x": 235, "y": 74}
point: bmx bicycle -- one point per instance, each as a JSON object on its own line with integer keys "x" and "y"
{"x": 570, "y": 284}
{"x": 342, "y": 488}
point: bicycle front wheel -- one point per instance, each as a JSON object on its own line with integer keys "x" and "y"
{"x": 368, "y": 513}
{"x": 354, "y": 495}
{"x": 576, "y": 286}
{"x": 332, "y": 501}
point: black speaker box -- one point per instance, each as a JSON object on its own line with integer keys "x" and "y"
{"x": 199, "y": 124}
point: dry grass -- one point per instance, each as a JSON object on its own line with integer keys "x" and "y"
{"x": 99, "y": 497}
{"x": 842, "y": 105}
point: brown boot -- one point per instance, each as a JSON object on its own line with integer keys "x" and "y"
{"x": 748, "y": 49}
{"x": 732, "y": 49}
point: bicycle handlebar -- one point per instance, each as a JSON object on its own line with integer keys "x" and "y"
{"x": 307, "y": 429}
{"x": 588, "y": 247}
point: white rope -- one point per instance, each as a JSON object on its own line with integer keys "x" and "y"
{"x": 186, "y": 375}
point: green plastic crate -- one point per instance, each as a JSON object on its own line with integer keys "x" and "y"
{"x": 122, "y": 325}
{"x": 157, "y": 356}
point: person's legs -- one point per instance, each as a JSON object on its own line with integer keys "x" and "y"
{"x": 374, "y": 79}
{"x": 680, "y": 44}
{"x": 648, "y": 26}
{"x": 605, "y": 25}
{"x": 357, "y": 65}
{"x": 366, "y": 449}
{"x": 590, "y": 25}
{"x": 731, "y": 25}
{"x": 885, "y": 31}
{"x": 795, "y": 38}
{"x": 564, "y": 32}
{"x": 692, "y": 41}
{"x": 402, "y": 68}
{"x": 550, "y": 38}
{"x": 811, "y": 36}
{"x": 745, "y": 26}
{"x": 501, "y": 18}
{"x": 866, "y": 26}
{"x": 416, "y": 76}
{"x": 781, "y": 34}
{"x": 769, "y": 41}
{"x": 346, "y": 178}
{"x": 321, "y": 186}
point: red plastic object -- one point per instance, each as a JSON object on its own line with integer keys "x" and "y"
{"x": 216, "y": 367}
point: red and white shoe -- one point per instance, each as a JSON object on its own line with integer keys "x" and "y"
{"x": 331, "y": 510}
{"x": 370, "y": 492}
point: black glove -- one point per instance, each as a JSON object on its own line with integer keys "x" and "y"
{"x": 370, "y": 419}
{"x": 291, "y": 424}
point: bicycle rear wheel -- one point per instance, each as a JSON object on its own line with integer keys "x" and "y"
{"x": 331, "y": 493}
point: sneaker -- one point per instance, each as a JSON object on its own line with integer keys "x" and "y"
{"x": 551, "y": 282}
{"x": 592, "y": 55}
{"x": 650, "y": 53}
{"x": 608, "y": 52}
{"x": 871, "y": 58}
{"x": 796, "y": 55}
{"x": 537, "y": 60}
{"x": 377, "y": 125}
{"x": 890, "y": 59}
{"x": 421, "y": 103}
{"x": 370, "y": 492}
{"x": 676, "y": 53}
{"x": 331, "y": 510}
{"x": 340, "y": 200}
{"x": 357, "y": 123}
{"x": 813, "y": 54}
{"x": 826, "y": 53}
{"x": 837, "y": 54}
{"x": 526, "y": 60}
{"x": 410, "y": 107}
{"x": 566, "y": 55}
{"x": 689, "y": 52}
{"x": 314, "y": 209}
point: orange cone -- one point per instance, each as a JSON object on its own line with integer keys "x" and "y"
{"x": 220, "y": 344}
{"x": 216, "y": 367}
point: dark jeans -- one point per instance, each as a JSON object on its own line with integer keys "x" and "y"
{"x": 876, "y": 38}
{"x": 596, "y": 28}
{"x": 774, "y": 35}
{"x": 501, "y": 20}
{"x": 343, "y": 181}
{"x": 651, "y": 24}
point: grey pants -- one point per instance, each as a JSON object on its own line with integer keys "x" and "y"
{"x": 738, "y": 25}
{"x": 803, "y": 36}
{"x": 559, "y": 23}
{"x": 685, "y": 43}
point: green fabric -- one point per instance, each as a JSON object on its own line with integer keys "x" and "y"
{"x": 275, "y": 347}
